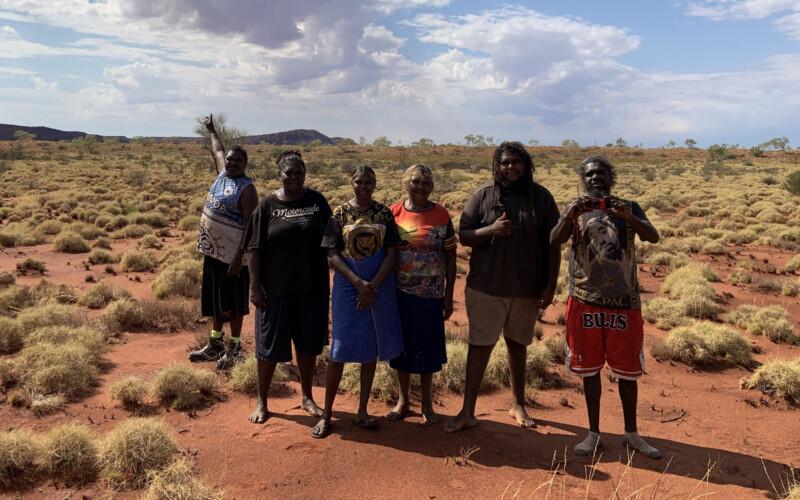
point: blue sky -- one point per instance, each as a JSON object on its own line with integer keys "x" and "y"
{"x": 648, "y": 71}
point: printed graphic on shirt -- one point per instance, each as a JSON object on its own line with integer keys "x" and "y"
{"x": 602, "y": 266}
{"x": 358, "y": 234}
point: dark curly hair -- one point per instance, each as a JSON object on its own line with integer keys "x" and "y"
{"x": 363, "y": 169}
{"x": 239, "y": 149}
{"x": 517, "y": 149}
{"x": 288, "y": 158}
{"x": 603, "y": 162}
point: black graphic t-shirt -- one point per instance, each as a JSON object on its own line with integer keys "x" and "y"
{"x": 287, "y": 237}
{"x": 602, "y": 266}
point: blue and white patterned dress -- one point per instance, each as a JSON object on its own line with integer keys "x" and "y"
{"x": 222, "y": 223}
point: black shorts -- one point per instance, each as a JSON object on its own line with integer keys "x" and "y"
{"x": 223, "y": 297}
{"x": 299, "y": 318}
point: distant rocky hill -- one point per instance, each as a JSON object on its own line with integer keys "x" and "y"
{"x": 299, "y": 136}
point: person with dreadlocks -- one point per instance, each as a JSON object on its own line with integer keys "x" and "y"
{"x": 512, "y": 273}
{"x": 289, "y": 280}
{"x": 229, "y": 203}
{"x": 604, "y": 320}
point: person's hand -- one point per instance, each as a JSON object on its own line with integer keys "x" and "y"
{"x": 577, "y": 207}
{"x": 448, "y": 307}
{"x": 208, "y": 122}
{"x": 257, "y": 297}
{"x": 619, "y": 209}
{"x": 366, "y": 294}
{"x": 501, "y": 227}
{"x": 235, "y": 268}
{"x": 546, "y": 298}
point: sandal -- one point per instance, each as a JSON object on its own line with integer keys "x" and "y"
{"x": 368, "y": 423}
{"x": 321, "y": 429}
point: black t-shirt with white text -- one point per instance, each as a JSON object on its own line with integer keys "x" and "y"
{"x": 287, "y": 237}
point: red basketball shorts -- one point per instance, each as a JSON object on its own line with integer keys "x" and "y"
{"x": 599, "y": 335}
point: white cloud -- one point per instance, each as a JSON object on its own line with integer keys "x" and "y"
{"x": 786, "y": 12}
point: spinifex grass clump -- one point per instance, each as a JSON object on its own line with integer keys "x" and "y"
{"x": 7, "y": 279}
{"x": 665, "y": 313}
{"x": 130, "y": 391}
{"x": 180, "y": 278}
{"x": 384, "y": 386}
{"x": 772, "y": 321}
{"x": 11, "y": 339}
{"x": 178, "y": 482}
{"x": 183, "y": 388}
{"x": 691, "y": 287}
{"x": 48, "y": 314}
{"x": 70, "y": 453}
{"x": 31, "y": 266}
{"x": 704, "y": 344}
{"x": 100, "y": 256}
{"x": 66, "y": 369}
{"x": 155, "y": 315}
{"x": 134, "y": 449}
{"x": 70, "y": 242}
{"x": 19, "y": 454}
{"x": 101, "y": 294}
{"x": 244, "y": 378}
{"x": 138, "y": 261}
{"x": 85, "y": 335}
{"x": 777, "y": 378}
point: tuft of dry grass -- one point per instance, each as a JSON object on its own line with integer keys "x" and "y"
{"x": 777, "y": 378}
{"x": 177, "y": 481}
{"x": 7, "y": 279}
{"x": 181, "y": 278}
{"x": 100, "y": 256}
{"x": 452, "y": 377}
{"x": 70, "y": 453}
{"x": 138, "y": 261}
{"x": 244, "y": 377}
{"x": 70, "y": 242}
{"x": 48, "y": 314}
{"x": 47, "y": 368}
{"x": 11, "y": 339}
{"x": 183, "y": 388}
{"x": 771, "y": 321}
{"x": 42, "y": 405}
{"x": 130, "y": 391}
{"x": 31, "y": 266}
{"x": 157, "y": 315}
{"x": 101, "y": 294}
{"x": 384, "y": 386}
{"x": 665, "y": 313}
{"x": 691, "y": 287}
{"x": 134, "y": 449}
{"x": 703, "y": 344}
{"x": 19, "y": 453}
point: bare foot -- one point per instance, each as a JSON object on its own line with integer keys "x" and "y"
{"x": 461, "y": 422}
{"x": 310, "y": 407}
{"x": 429, "y": 416}
{"x": 518, "y": 413}
{"x": 260, "y": 415}
{"x": 399, "y": 412}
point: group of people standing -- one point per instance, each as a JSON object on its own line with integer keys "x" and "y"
{"x": 394, "y": 272}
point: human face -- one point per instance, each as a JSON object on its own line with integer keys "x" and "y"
{"x": 596, "y": 180}
{"x": 363, "y": 187}
{"x": 235, "y": 164}
{"x": 419, "y": 188}
{"x": 511, "y": 167}
{"x": 293, "y": 177}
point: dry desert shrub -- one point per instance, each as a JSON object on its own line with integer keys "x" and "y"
{"x": 92, "y": 339}
{"x": 189, "y": 222}
{"x": 7, "y": 279}
{"x": 100, "y": 256}
{"x": 667, "y": 259}
{"x": 130, "y": 391}
{"x": 11, "y": 339}
{"x": 557, "y": 347}
{"x": 69, "y": 452}
{"x": 181, "y": 278}
{"x": 772, "y": 321}
{"x": 704, "y": 344}
{"x": 70, "y": 242}
{"x": 177, "y": 481}
{"x": 86, "y": 231}
{"x": 183, "y": 388}
{"x": 130, "y": 232}
{"x": 151, "y": 241}
{"x": 244, "y": 377}
{"x": 794, "y": 264}
{"x": 452, "y": 376}
{"x": 41, "y": 404}
{"x": 49, "y": 227}
{"x": 31, "y": 266}
{"x": 691, "y": 287}
{"x": 48, "y": 314}
{"x": 101, "y": 295}
{"x": 19, "y": 455}
{"x": 138, "y": 261}
{"x": 152, "y": 219}
{"x": 159, "y": 315}
{"x": 777, "y": 378}
{"x": 134, "y": 449}
{"x": 714, "y": 247}
{"x": 47, "y": 368}
{"x": 47, "y": 291}
{"x": 102, "y": 243}
{"x": 665, "y": 313}
{"x": 740, "y": 277}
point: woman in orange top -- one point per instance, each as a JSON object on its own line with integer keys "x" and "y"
{"x": 426, "y": 271}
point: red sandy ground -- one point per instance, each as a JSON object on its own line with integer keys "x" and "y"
{"x": 701, "y": 420}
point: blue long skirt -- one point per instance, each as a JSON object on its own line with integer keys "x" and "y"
{"x": 367, "y": 335}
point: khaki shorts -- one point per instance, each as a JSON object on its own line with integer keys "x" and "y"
{"x": 489, "y": 315}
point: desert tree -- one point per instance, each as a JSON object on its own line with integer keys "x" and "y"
{"x": 228, "y": 135}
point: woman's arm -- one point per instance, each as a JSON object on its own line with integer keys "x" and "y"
{"x": 450, "y": 283}
{"x": 387, "y": 266}
{"x": 217, "y": 148}
{"x": 365, "y": 292}
{"x": 257, "y": 296}
{"x": 248, "y": 202}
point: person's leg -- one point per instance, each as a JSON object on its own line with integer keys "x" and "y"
{"x": 517, "y": 357}
{"x": 401, "y": 409}
{"x": 306, "y": 363}
{"x": 477, "y": 359}
{"x": 428, "y": 415}
{"x": 592, "y": 391}
{"x": 265, "y": 369}
{"x": 367, "y": 377}
{"x": 233, "y": 352}
{"x": 333, "y": 376}
{"x": 629, "y": 394}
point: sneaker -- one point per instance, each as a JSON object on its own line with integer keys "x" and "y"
{"x": 233, "y": 354}
{"x": 211, "y": 352}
